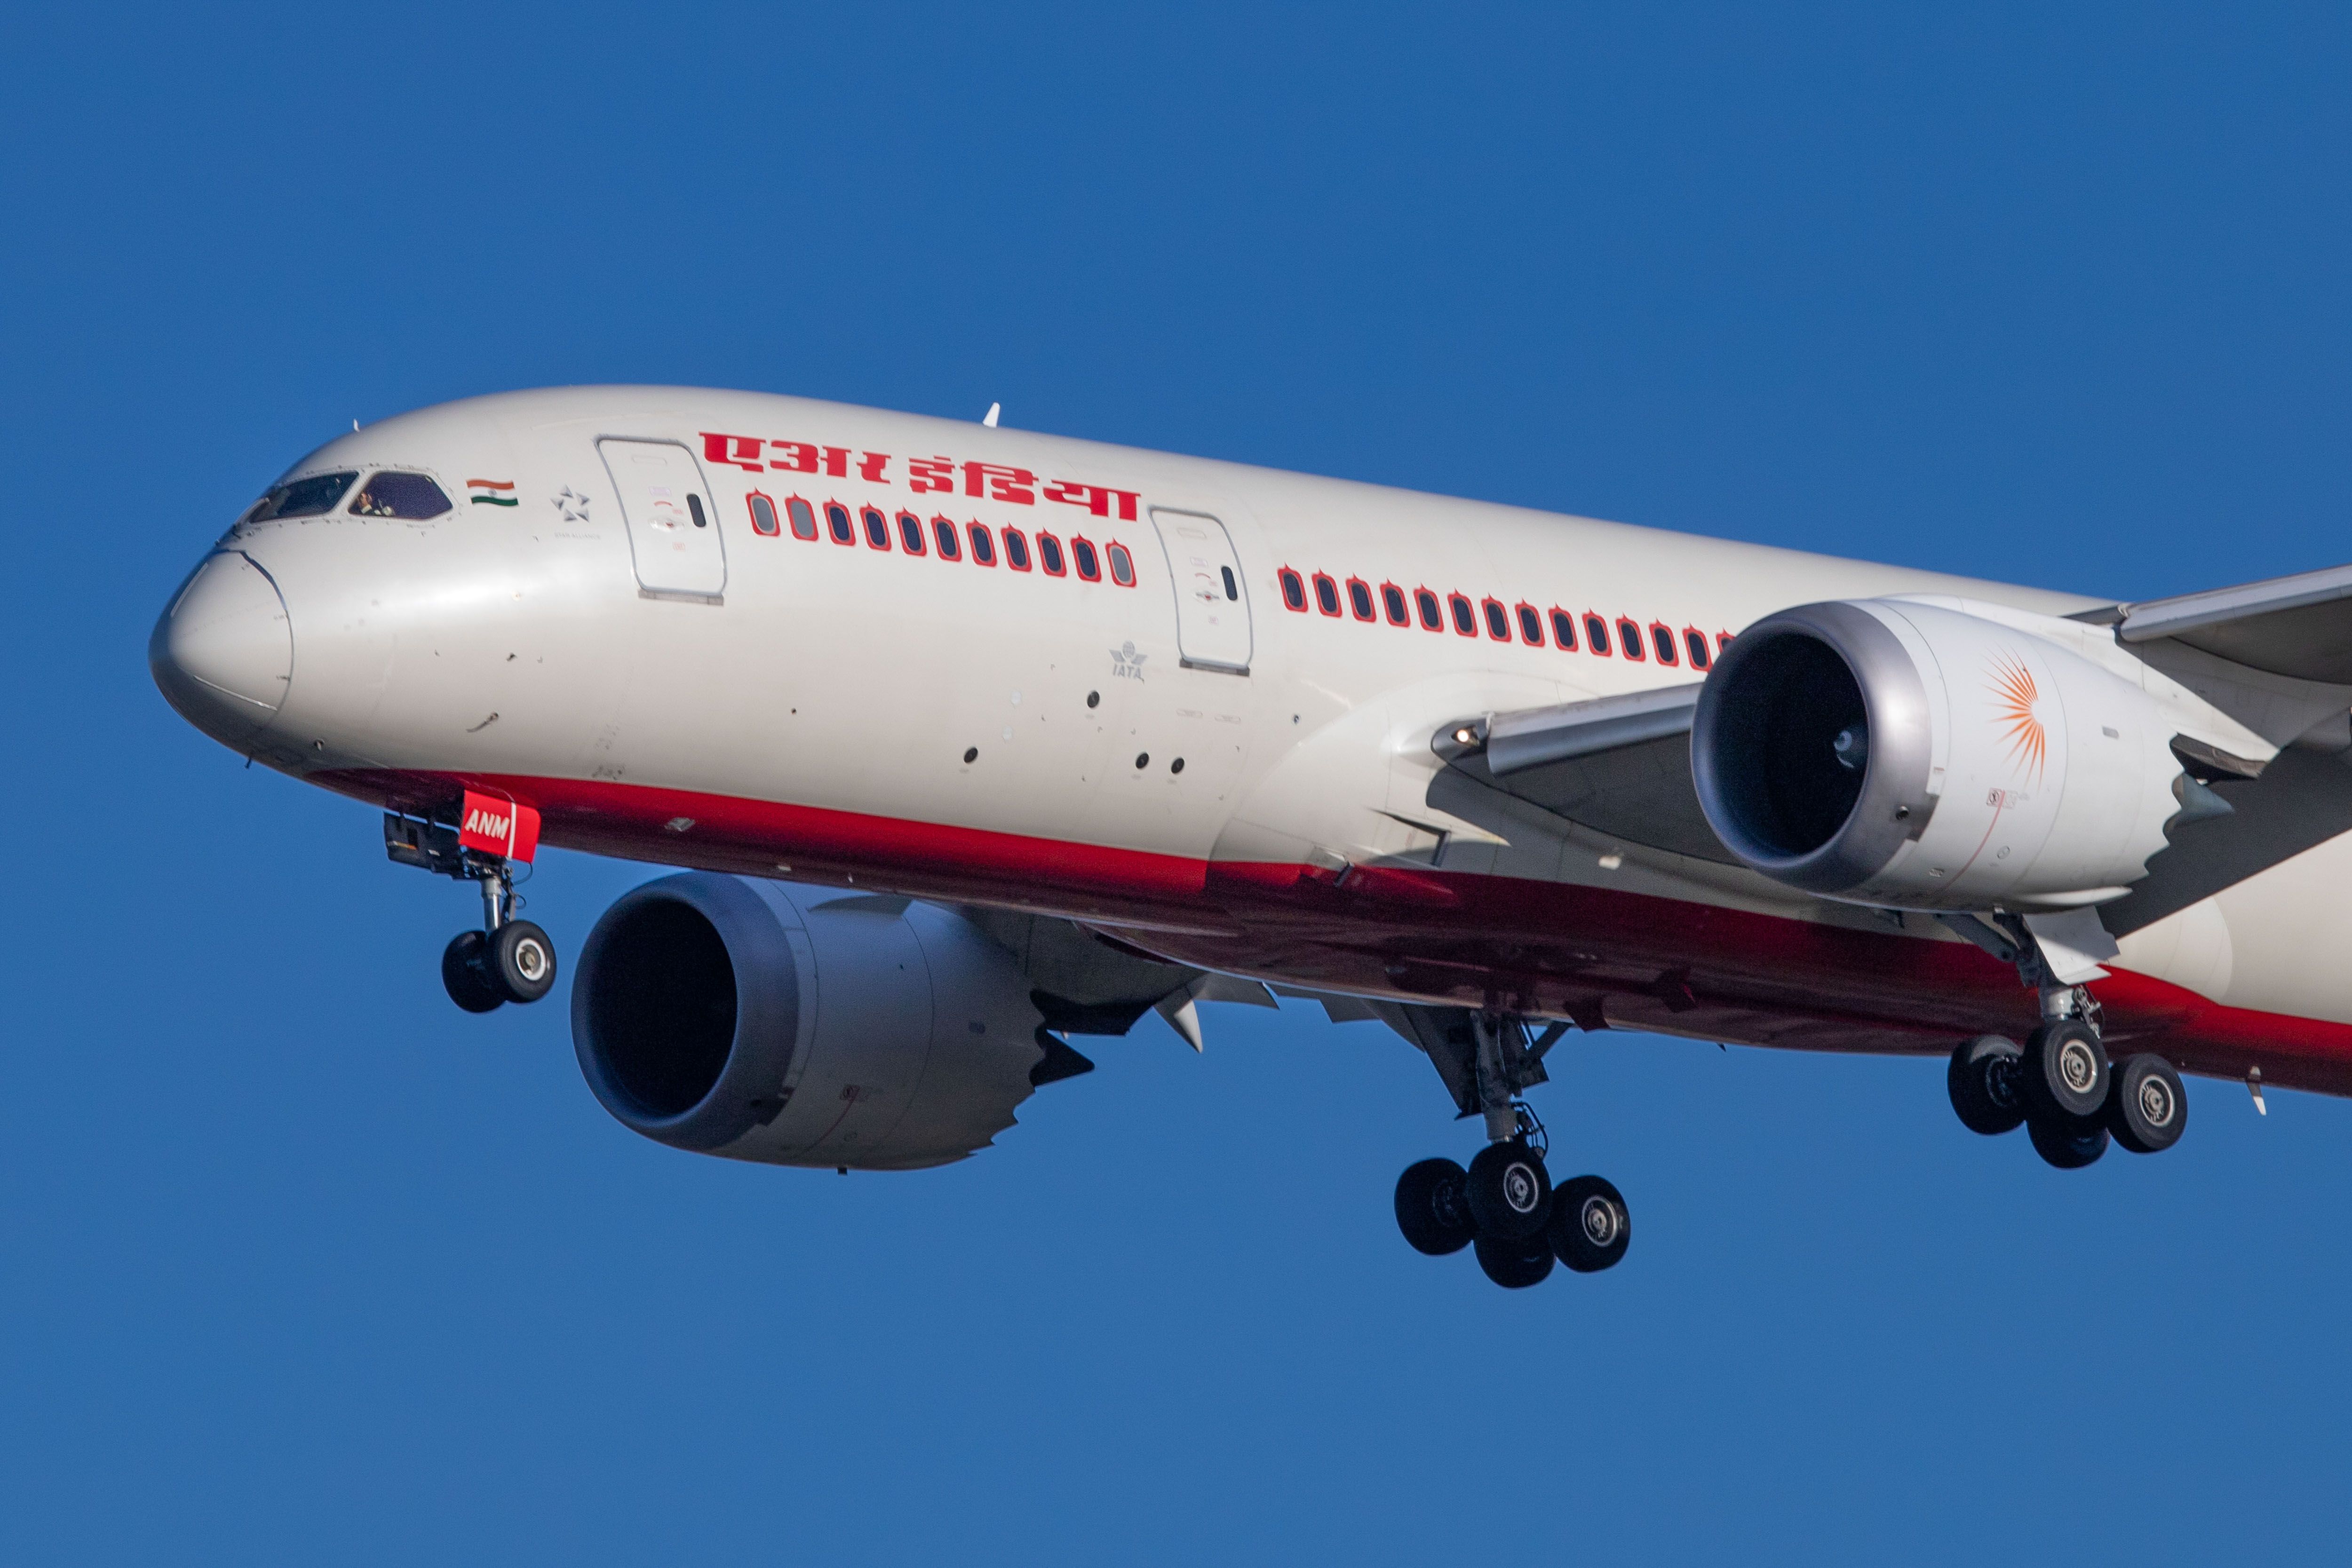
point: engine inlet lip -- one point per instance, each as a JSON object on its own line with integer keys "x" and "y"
{"x": 1893, "y": 804}
{"x": 767, "y": 1013}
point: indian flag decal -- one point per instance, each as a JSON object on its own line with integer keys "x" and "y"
{"x": 491, "y": 492}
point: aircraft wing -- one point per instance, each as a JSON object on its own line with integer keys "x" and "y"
{"x": 1619, "y": 766}
{"x": 2299, "y": 626}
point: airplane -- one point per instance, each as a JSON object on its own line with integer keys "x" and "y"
{"x": 973, "y": 740}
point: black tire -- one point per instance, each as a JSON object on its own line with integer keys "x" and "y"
{"x": 2066, "y": 1144}
{"x": 520, "y": 961}
{"x": 2148, "y": 1109}
{"x": 1509, "y": 1191}
{"x": 1589, "y": 1228}
{"x": 1515, "y": 1265}
{"x": 2065, "y": 1070}
{"x": 462, "y": 976}
{"x": 1984, "y": 1083}
{"x": 1431, "y": 1208}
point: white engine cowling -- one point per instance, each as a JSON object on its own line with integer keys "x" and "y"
{"x": 1910, "y": 755}
{"x": 802, "y": 1026}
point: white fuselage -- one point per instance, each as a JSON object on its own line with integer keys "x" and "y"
{"x": 700, "y": 692}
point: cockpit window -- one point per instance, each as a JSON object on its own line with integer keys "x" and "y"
{"x": 395, "y": 495}
{"x": 302, "y": 498}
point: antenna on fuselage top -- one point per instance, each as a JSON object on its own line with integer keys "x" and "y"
{"x": 989, "y": 419}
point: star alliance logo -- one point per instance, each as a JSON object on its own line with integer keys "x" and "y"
{"x": 572, "y": 506}
{"x": 1126, "y": 664}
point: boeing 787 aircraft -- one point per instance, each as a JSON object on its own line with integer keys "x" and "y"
{"x": 977, "y": 740}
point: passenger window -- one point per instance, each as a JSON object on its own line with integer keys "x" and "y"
{"x": 877, "y": 528}
{"x": 1049, "y": 554}
{"x": 1466, "y": 620}
{"x": 910, "y": 533}
{"x": 836, "y": 517}
{"x": 1696, "y": 640}
{"x": 945, "y": 532}
{"x": 1596, "y": 634}
{"x": 803, "y": 521}
{"x": 983, "y": 544}
{"x": 1327, "y": 594}
{"x": 1426, "y": 602}
{"x": 1661, "y": 638}
{"x": 303, "y": 498}
{"x": 763, "y": 515}
{"x": 1232, "y": 589}
{"x": 1531, "y": 626}
{"x": 1359, "y": 598}
{"x": 1499, "y": 622}
{"x": 1629, "y": 637}
{"x": 1016, "y": 550}
{"x": 1082, "y": 552}
{"x": 1122, "y": 565}
{"x": 1722, "y": 641}
{"x": 410, "y": 496}
{"x": 1294, "y": 588}
{"x": 1563, "y": 631}
{"x": 1393, "y": 600}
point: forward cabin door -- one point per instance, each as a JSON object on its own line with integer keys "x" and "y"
{"x": 1212, "y": 618}
{"x": 673, "y": 526}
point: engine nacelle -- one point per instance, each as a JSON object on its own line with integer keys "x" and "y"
{"x": 1907, "y": 754}
{"x": 802, "y": 1026}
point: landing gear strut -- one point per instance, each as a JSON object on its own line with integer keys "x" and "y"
{"x": 507, "y": 960}
{"x": 1504, "y": 1206}
{"x": 2061, "y": 1086}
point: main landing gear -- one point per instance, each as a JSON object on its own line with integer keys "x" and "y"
{"x": 1504, "y": 1206}
{"x": 509, "y": 960}
{"x": 2060, "y": 1085}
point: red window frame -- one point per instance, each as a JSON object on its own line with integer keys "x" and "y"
{"x": 1492, "y": 610}
{"x": 1121, "y": 562}
{"x": 1327, "y": 594}
{"x": 1694, "y": 644}
{"x": 877, "y": 526}
{"x": 752, "y": 504}
{"x": 1464, "y": 614}
{"x": 1294, "y": 590}
{"x": 983, "y": 543}
{"x": 1596, "y": 634}
{"x": 943, "y": 534}
{"x": 1530, "y": 616}
{"x": 1361, "y": 607}
{"x": 1081, "y": 550}
{"x": 1016, "y": 550}
{"x": 1433, "y": 614}
{"x": 1631, "y": 647}
{"x": 1046, "y": 557}
{"x": 1662, "y": 642}
{"x": 841, "y": 523}
{"x": 912, "y": 537}
{"x": 1393, "y": 605}
{"x": 792, "y": 520}
{"x": 1722, "y": 641}
{"x": 1567, "y": 643}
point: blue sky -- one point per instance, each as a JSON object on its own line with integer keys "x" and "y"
{"x": 297, "y": 1264}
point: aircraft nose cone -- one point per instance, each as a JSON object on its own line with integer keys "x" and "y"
{"x": 222, "y": 652}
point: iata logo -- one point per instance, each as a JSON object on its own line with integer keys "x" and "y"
{"x": 2014, "y": 695}
{"x": 1126, "y": 664}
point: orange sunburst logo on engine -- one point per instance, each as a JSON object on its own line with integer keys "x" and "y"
{"x": 2014, "y": 697}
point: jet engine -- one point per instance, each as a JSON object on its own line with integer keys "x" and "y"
{"x": 802, "y": 1026}
{"x": 1912, "y": 755}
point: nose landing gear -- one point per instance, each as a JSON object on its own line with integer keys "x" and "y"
{"x": 509, "y": 960}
